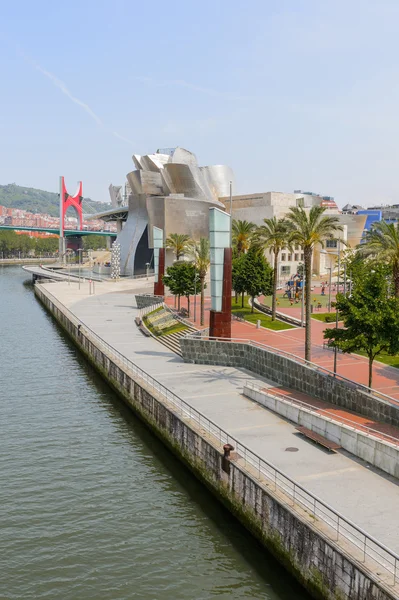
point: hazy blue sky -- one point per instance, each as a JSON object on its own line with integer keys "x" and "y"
{"x": 290, "y": 93}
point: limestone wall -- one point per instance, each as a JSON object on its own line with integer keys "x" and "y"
{"x": 323, "y": 567}
{"x": 290, "y": 373}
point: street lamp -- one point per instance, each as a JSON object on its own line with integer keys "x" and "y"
{"x": 80, "y": 250}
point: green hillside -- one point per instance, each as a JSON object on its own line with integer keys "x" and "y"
{"x": 39, "y": 201}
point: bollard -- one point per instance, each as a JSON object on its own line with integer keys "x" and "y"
{"x": 258, "y": 324}
{"x": 227, "y": 448}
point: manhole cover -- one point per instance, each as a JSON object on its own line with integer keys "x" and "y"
{"x": 291, "y": 449}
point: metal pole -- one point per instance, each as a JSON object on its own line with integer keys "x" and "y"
{"x": 195, "y": 297}
{"x": 350, "y": 283}
{"x": 336, "y": 310}
{"x": 79, "y": 259}
{"x": 345, "y": 279}
{"x": 329, "y": 290}
{"x": 231, "y": 211}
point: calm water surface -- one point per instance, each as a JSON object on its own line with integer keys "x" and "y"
{"x": 92, "y": 507}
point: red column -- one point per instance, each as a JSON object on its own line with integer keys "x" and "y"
{"x": 220, "y": 321}
{"x": 159, "y": 288}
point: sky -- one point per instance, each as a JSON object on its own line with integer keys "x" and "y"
{"x": 292, "y": 94}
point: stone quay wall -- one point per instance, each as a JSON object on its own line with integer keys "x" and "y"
{"x": 328, "y": 571}
{"x": 286, "y": 371}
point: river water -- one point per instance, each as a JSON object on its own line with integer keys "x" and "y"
{"x": 92, "y": 506}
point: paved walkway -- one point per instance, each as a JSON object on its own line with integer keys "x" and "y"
{"x": 368, "y": 498}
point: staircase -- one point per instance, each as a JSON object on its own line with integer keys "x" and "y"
{"x": 172, "y": 340}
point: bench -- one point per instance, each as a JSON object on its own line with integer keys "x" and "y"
{"x": 319, "y": 439}
{"x": 144, "y": 331}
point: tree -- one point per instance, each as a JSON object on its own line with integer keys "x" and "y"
{"x": 274, "y": 236}
{"x": 180, "y": 279}
{"x": 238, "y": 277}
{"x": 94, "y": 242}
{"x": 371, "y": 317}
{"x": 309, "y": 230}
{"x": 242, "y": 232}
{"x": 179, "y": 243}
{"x": 382, "y": 241}
{"x": 201, "y": 254}
{"x": 257, "y": 274}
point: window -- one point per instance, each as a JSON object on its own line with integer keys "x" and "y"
{"x": 285, "y": 269}
{"x": 283, "y": 257}
{"x": 331, "y": 243}
{"x": 300, "y": 202}
{"x": 297, "y": 247}
{"x": 289, "y": 257}
{"x": 296, "y": 257}
{"x": 302, "y": 257}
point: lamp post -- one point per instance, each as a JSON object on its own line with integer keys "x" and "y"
{"x": 80, "y": 261}
{"x": 303, "y": 299}
{"x": 329, "y": 289}
{"x": 195, "y": 296}
{"x": 336, "y": 311}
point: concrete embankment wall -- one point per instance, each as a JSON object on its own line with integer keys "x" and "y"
{"x": 290, "y": 373}
{"x": 321, "y": 565}
{"x": 375, "y": 451}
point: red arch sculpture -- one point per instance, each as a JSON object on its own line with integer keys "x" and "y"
{"x": 66, "y": 201}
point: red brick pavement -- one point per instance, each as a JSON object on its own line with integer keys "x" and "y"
{"x": 354, "y": 367}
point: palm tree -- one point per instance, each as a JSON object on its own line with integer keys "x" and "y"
{"x": 274, "y": 236}
{"x": 383, "y": 241}
{"x": 179, "y": 243}
{"x": 201, "y": 255}
{"x": 309, "y": 230}
{"x": 242, "y": 232}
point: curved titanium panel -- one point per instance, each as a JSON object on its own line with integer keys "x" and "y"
{"x": 218, "y": 178}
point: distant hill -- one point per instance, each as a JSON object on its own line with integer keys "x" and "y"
{"x": 39, "y": 201}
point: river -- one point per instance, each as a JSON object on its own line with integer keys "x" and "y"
{"x": 92, "y": 506}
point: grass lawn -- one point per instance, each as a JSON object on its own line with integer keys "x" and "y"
{"x": 265, "y": 320}
{"x": 168, "y": 331}
{"x": 393, "y": 361}
{"x": 285, "y": 303}
{"x": 325, "y": 317}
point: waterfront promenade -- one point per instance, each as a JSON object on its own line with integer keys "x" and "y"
{"x": 366, "y": 497}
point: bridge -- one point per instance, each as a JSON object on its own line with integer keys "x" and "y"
{"x": 67, "y": 232}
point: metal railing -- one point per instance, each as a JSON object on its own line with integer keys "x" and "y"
{"x": 322, "y": 516}
{"x": 325, "y": 414}
{"x": 307, "y": 363}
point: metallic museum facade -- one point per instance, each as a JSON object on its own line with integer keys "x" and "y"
{"x": 170, "y": 191}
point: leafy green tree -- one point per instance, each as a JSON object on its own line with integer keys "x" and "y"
{"x": 94, "y": 242}
{"x": 242, "y": 233}
{"x": 309, "y": 229}
{"x": 201, "y": 254}
{"x": 178, "y": 242}
{"x": 371, "y": 317}
{"x": 238, "y": 277}
{"x": 382, "y": 241}
{"x": 257, "y": 274}
{"x": 274, "y": 236}
{"x": 180, "y": 279}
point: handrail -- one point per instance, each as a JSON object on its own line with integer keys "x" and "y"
{"x": 366, "y": 544}
{"x": 307, "y": 363}
{"x": 323, "y": 412}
